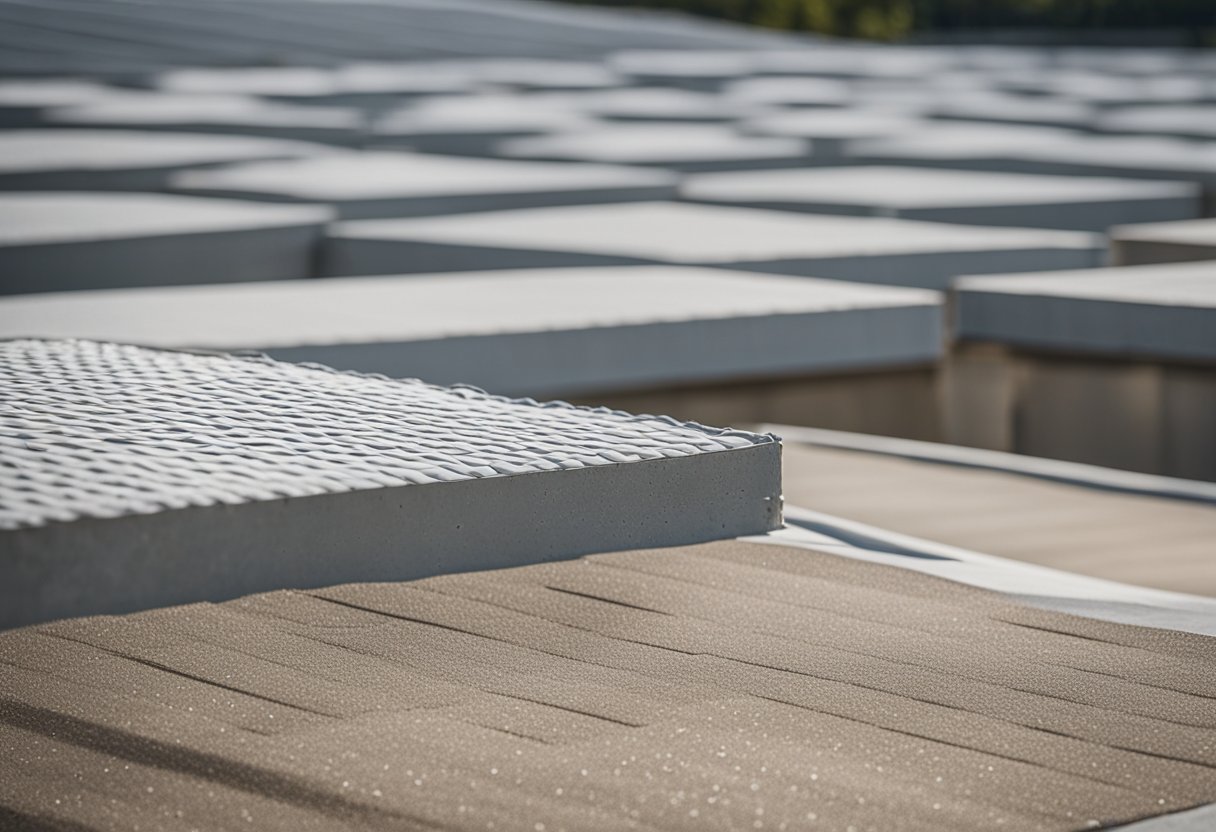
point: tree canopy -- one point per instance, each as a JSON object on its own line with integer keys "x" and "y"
{"x": 888, "y": 19}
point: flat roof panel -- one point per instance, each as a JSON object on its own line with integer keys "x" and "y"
{"x": 73, "y": 158}
{"x": 865, "y": 249}
{"x": 553, "y": 331}
{"x": 62, "y": 240}
{"x": 389, "y": 183}
{"x": 213, "y": 475}
{"x": 1165, "y": 311}
{"x": 970, "y": 197}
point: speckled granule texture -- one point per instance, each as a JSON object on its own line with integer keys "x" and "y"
{"x": 721, "y": 686}
{"x": 103, "y": 430}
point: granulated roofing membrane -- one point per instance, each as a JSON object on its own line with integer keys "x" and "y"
{"x": 727, "y": 685}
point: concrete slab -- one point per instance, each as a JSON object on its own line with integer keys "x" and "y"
{"x": 858, "y": 61}
{"x": 125, "y": 160}
{"x": 545, "y": 74}
{"x": 232, "y": 114}
{"x": 1154, "y": 157}
{"x": 698, "y": 69}
{"x": 1111, "y": 88}
{"x": 60, "y": 241}
{"x": 350, "y": 83}
{"x": 214, "y": 476}
{"x": 971, "y": 146}
{"x": 473, "y": 124}
{"x": 830, "y": 131}
{"x": 789, "y": 92}
{"x": 673, "y": 145}
{"x": 397, "y": 184}
{"x": 1003, "y": 108}
{"x": 969, "y": 197}
{"x": 23, "y": 102}
{"x": 547, "y": 332}
{"x": 1189, "y": 122}
{"x": 865, "y": 249}
{"x": 1142, "y": 157}
{"x": 293, "y": 82}
{"x": 660, "y": 104}
{"x": 1158, "y": 311}
{"x": 1163, "y": 242}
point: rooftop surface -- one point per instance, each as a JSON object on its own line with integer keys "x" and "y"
{"x": 197, "y": 461}
{"x": 1166, "y": 310}
{"x": 33, "y": 151}
{"x": 941, "y": 195}
{"x": 896, "y": 187}
{"x": 402, "y": 184}
{"x": 730, "y": 682}
{"x": 618, "y": 326}
{"x": 673, "y": 145}
{"x": 1098, "y": 527}
{"x": 867, "y": 249}
{"x": 54, "y": 241}
{"x": 1193, "y": 232}
{"x": 36, "y": 218}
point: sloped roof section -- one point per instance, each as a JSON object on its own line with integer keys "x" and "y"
{"x": 726, "y": 683}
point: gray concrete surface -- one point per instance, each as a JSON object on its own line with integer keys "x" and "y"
{"x": 674, "y": 145}
{"x": 81, "y": 160}
{"x": 1163, "y": 242}
{"x": 865, "y": 249}
{"x": 59, "y": 241}
{"x": 216, "y": 476}
{"x": 969, "y": 197}
{"x": 227, "y": 114}
{"x": 1165, "y": 312}
{"x": 473, "y": 124}
{"x": 551, "y": 332}
{"x": 395, "y": 184}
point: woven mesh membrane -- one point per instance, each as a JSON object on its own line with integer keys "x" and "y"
{"x": 103, "y": 430}
{"x": 721, "y": 686}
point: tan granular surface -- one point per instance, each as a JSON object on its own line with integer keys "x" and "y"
{"x": 1148, "y": 541}
{"x": 722, "y": 686}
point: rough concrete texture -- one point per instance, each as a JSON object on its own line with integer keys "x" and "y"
{"x": 1165, "y": 312}
{"x": 211, "y": 476}
{"x": 59, "y": 241}
{"x": 732, "y": 684}
{"x": 550, "y": 332}
{"x": 864, "y": 249}
{"x": 970, "y": 197}
{"x": 388, "y": 184}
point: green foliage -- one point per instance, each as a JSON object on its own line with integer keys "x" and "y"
{"x": 888, "y": 19}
